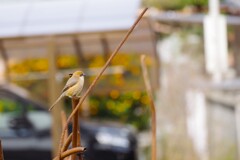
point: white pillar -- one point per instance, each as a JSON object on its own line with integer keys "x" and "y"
{"x": 197, "y": 122}
{"x": 213, "y": 7}
{"x": 237, "y": 116}
{"x": 215, "y": 42}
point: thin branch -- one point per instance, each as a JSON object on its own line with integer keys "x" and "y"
{"x": 70, "y": 152}
{"x": 152, "y": 106}
{"x": 64, "y": 122}
{"x": 101, "y": 72}
{"x": 74, "y": 126}
{"x": 67, "y": 143}
{"x": 79, "y": 139}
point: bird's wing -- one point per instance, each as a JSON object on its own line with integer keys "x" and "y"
{"x": 71, "y": 82}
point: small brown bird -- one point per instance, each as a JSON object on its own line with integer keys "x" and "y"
{"x": 73, "y": 87}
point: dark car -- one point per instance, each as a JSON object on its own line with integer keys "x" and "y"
{"x": 25, "y": 131}
{"x": 108, "y": 141}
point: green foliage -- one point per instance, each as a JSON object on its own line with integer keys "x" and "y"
{"x": 8, "y": 105}
{"x": 109, "y": 99}
{"x": 129, "y": 108}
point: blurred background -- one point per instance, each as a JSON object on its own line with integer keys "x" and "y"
{"x": 192, "y": 49}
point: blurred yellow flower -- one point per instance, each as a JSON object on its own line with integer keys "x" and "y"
{"x": 144, "y": 99}
{"x": 97, "y": 61}
{"x": 40, "y": 65}
{"x": 66, "y": 61}
{"x": 136, "y": 95}
{"x": 110, "y": 105}
{"x": 114, "y": 94}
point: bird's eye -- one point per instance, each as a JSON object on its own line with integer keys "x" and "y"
{"x": 82, "y": 74}
{"x": 70, "y": 75}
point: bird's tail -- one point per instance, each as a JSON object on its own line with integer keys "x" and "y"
{"x": 54, "y": 104}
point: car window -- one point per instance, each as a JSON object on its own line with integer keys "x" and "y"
{"x": 9, "y": 105}
{"x": 13, "y": 116}
{"x": 21, "y": 117}
{"x": 10, "y": 102}
{"x": 10, "y": 111}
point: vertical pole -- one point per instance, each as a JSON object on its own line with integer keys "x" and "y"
{"x": 237, "y": 118}
{"x": 1, "y": 151}
{"x": 53, "y": 94}
{"x": 78, "y": 49}
{"x": 105, "y": 46}
{"x": 236, "y": 49}
{"x": 213, "y": 7}
{"x": 215, "y": 42}
{"x": 156, "y": 70}
{"x": 5, "y": 62}
{"x": 197, "y": 121}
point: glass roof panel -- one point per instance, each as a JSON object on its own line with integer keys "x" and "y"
{"x": 41, "y": 17}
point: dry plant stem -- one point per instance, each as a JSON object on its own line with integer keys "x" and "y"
{"x": 79, "y": 139}
{"x": 152, "y": 106}
{"x": 67, "y": 143}
{"x": 1, "y": 151}
{"x": 64, "y": 122}
{"x": 101, "y": 72}
{"x": 70, "y": 152}
{"x": 74, "y": 126}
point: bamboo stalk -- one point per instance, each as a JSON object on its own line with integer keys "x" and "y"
{"x": 152, "y": 106}
{"x": 101, "y": 72}
{"x": 70, "y": 152}
{"x": 1, "y": 151}
{"x": 67, "y": 143}
{"x": 79, "y": 139}
{"x": 64, "y": 122}
{"x": 74, "y": 126}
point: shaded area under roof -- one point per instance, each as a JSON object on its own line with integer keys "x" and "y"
{"x": 174, "y": 17}
{"x": 33, "y": 18}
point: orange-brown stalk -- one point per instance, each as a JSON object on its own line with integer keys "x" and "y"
{"x": 152, "y": 106}
{"x": 71, "y": 152}
{"x": 75, "y": 127}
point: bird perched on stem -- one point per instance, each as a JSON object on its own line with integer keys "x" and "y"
{"x": 73, "y": 87}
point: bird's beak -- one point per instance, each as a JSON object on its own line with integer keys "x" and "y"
{"x": 83, "y": 75}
